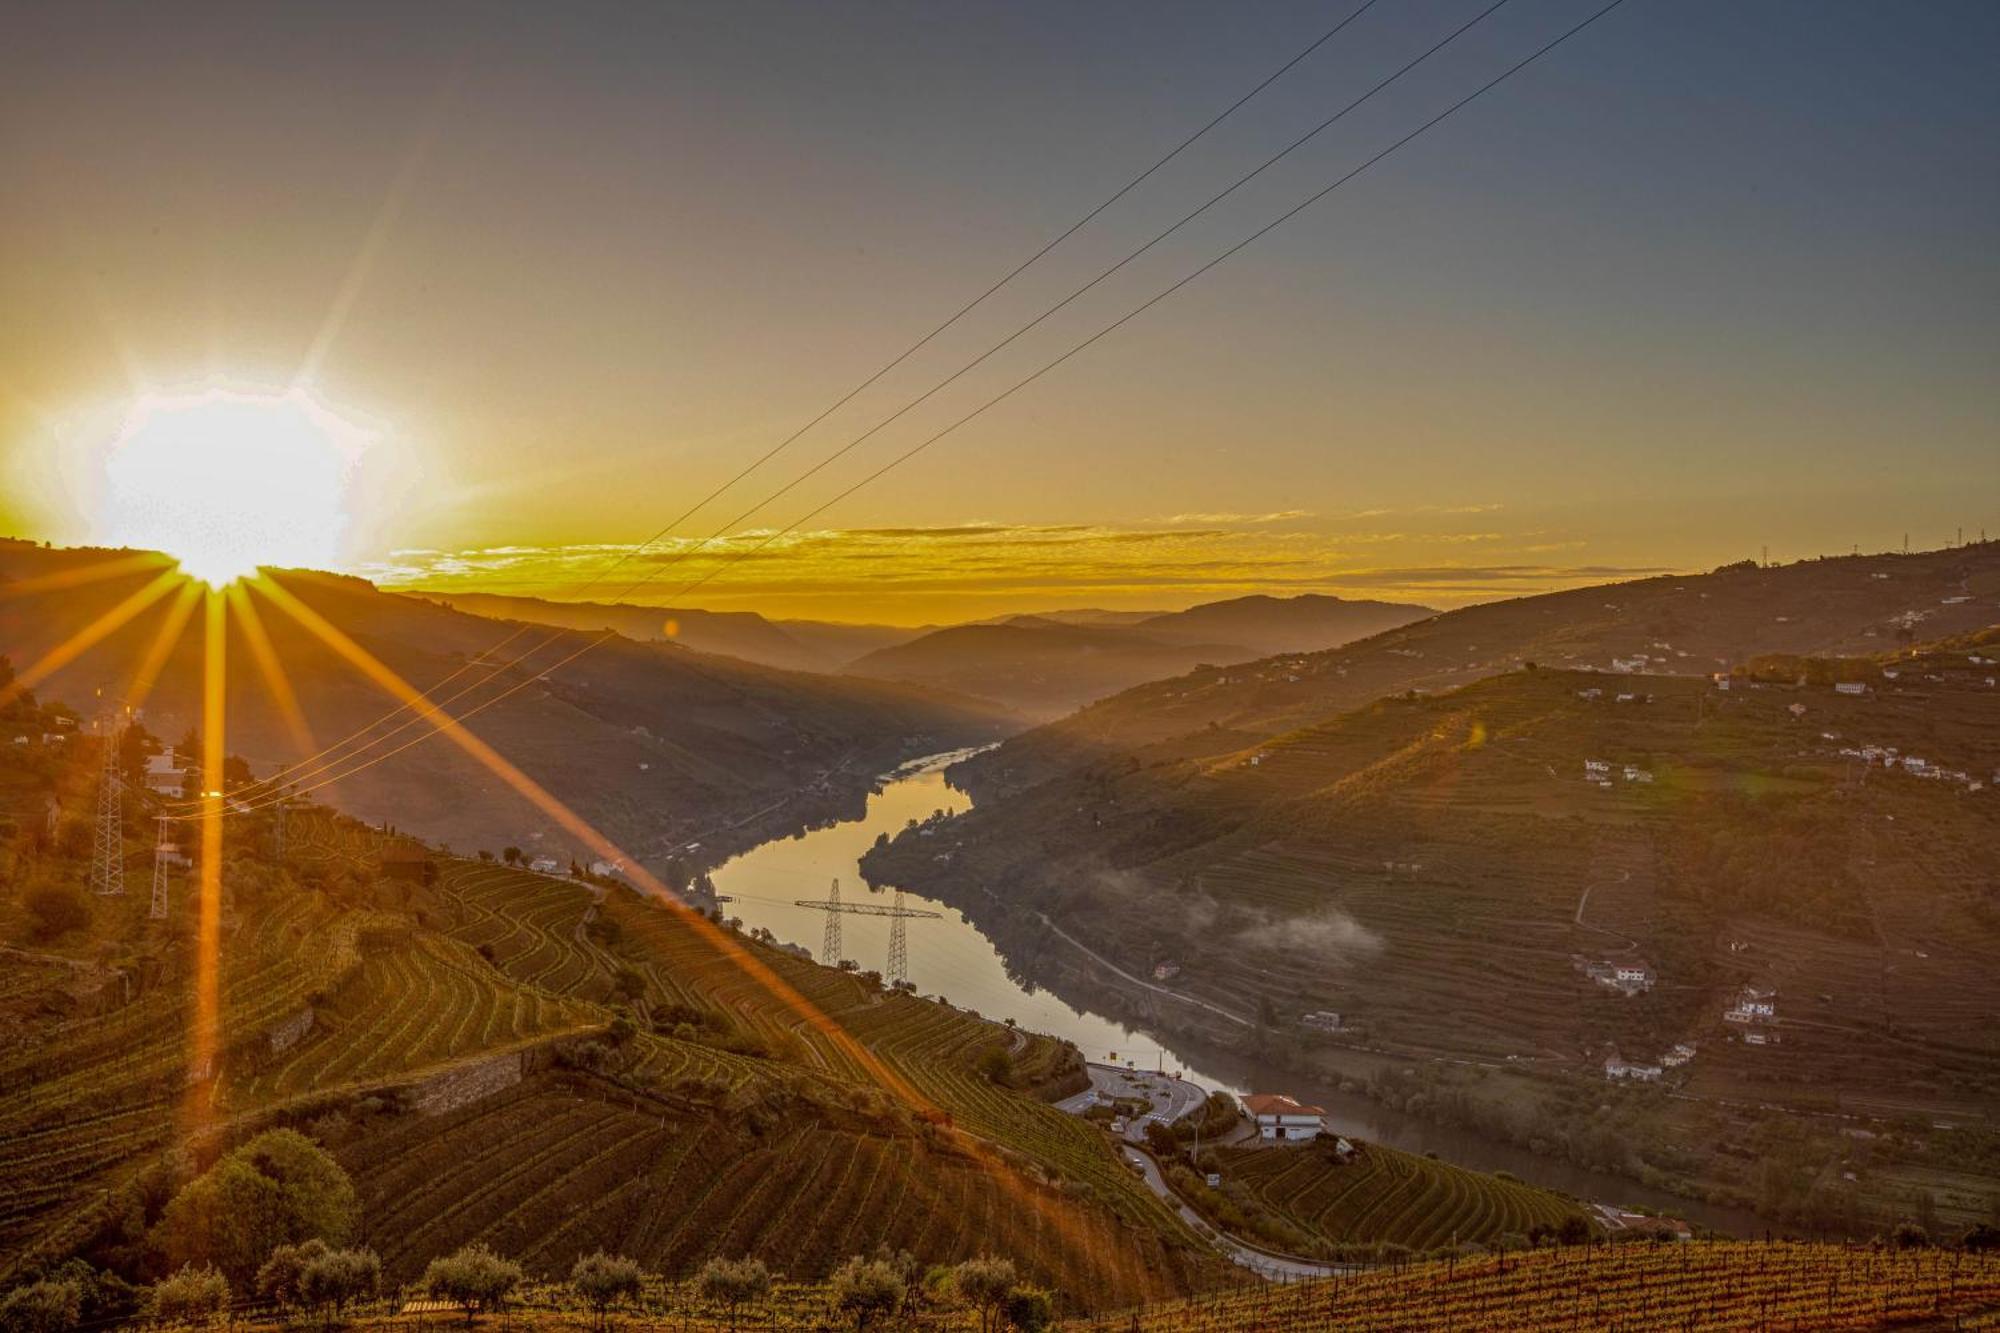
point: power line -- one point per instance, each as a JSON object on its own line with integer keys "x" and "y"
{"x": 1052, "y": 364}
{"x": 865, "y": 384}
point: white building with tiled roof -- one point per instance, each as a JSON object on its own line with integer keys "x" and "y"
{"x": 1279, "y": 1117}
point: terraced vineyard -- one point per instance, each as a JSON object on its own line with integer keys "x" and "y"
{"x": 1381, "y": 1194}
{"x": 567, "y": 1164}
{"x": 1774, "y": 1288}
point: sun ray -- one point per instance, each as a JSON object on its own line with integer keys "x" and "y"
{"x": 171, "y": 624}
{"x": 722, "y": 941}
{"x": 95, "y": 572}
{"x": 265, "y": 654}
{"x": 81, "y": 642}
{"x": 207, "y": 1033}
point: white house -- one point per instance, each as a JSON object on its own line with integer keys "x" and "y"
{"x": 1633, "y": 976}
{"x": 1849, "y": 687}
{"x": 163, "y": 775}
{"x": 545, "y": 865}
{"x": 1279, "y": 1117}
{"x": 1618, "y": 1070}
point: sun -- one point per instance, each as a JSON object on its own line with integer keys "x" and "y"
{"x": 227, "y": 482}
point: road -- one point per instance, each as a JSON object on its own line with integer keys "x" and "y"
{"x": 1278, "y": 1267}
{"x": 1170, "y": 1098}
{"x": 1141, "y": 982}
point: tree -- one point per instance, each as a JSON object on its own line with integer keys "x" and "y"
{"x": 193, "y": 1295}
{"x": 996, "y": 1064}
{"x": 985, "y": 1282}
{"x": 282, "y": 1276}
{"x": 1029, "y": 1309}
{"x": 603, "y": 1280}
{"x": 1575, "y": 1230}
{"x": 473, "y": 1278}
{"x": 57, "y": 909}
{"x": 337, "y": 1277}
{"x": 279, "y": 1188}
{"x": 49, "y": 1306}
{"x": 511, "y": 855}
{"x": 865, "y": 1288}
{"x": 734, "y": 1282}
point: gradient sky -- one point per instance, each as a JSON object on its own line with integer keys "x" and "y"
{"x": 1717, "y": 274}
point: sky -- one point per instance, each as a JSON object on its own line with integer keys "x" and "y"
{"x": 1714, "y": 277}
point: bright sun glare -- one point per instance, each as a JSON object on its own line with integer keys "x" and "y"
{"x": 226, "y": 482}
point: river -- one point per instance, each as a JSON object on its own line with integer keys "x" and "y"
{"x": 950, "y": 956}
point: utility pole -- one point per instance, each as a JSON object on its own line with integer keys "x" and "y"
{"x": 107, "y": 853}
{"x": 160, "y": 850}
{"x": 279, "y": 834}
{"x": 899, "y": 944}
{"x": 829, "y": 949}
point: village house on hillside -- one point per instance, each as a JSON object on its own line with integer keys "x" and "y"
{"x": 1279, "y": 1117}
{"x": 163, "y": 774}
{"x": 1620, "y": 1070}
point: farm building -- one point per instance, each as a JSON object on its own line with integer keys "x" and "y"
{"x": 1279, "y": 1117}
{"x": 545, "y": 865}
{"x": 1850, "y": 687}
{"x": 1322, "y": 1020}
{"x": 408, "y": 861}
{"x": 1620, "y": 1070}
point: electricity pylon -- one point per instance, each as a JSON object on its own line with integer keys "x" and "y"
{"x": 898, "y": 970}
{"x": 829, "y": 949}
{"x": 160, "y": 850}
{"x": 899, "y": 944}
{"x": 107, "y": 852}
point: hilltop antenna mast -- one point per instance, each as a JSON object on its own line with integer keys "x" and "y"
{"x": 107, "y": 853}
{"x": 158, "y": 911}
{"x": 829, "y": 949}
{"x": 899, "y": 945}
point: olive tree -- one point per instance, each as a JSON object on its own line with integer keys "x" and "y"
{"x": 602, "y": 1280}
{"x": 865, "y": 1288}
{"x": 734, "y": 1282}
{"x": 474, "y": 1278}
{"x": 190, "y": 1296}
{"x": 985, "y": 1283}
{"x": 49, "y": 1306}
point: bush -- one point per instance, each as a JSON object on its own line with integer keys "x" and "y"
{"x": 279, "y": 1188}
{"x": 1909, "y": 1236}
{"x": 1029, "y": 1309}
{"x": 603, "y": 1280}
{"x": 282, "y": 1277}
{"x": 43, "y": 1307}
{"x": 473, "y": 1279}
{"x": 865, "y": 1288}
{"x": 191, "y": 1296}
{"x": 57, "y": 909}
{"x": 733, "y": 1282}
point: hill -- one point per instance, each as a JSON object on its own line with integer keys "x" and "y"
{"x": 656, "y": 744}
{"x": 1264, "y": 626}
{"x": 1046, "y": 665}
{"x": 794, "y": 645}
{"x": 1459, "y": 875}
{"x": 1681, "y": 625}
{"x": 548, "y": 1064}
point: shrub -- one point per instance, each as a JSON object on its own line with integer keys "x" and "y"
{"x": 191, "y": 1296}
{"x": 1029, "y": 1309}
{"x": 57, "y": 909}
{"x": 474, "y": 1278}
{"x": 1907, "y": 1235}
{"x": 865, "y": 1288}
{"x": 733, "y": 1282}
{"x": 279, "y": 1188}
{"x": 603, "y": 1280}
{"x": 42, "y": 1307}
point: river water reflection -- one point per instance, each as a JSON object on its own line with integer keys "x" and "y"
{"x": 949, "y": 956}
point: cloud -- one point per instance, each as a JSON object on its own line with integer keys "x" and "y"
{"x": 1275, "y": 516}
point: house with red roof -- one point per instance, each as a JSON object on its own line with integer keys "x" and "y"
{"x": 1279, "y": 1117}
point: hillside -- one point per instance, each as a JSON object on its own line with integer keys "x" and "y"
{"x": 1264, "y": 626}
{"x": 1680, "y": 625}
{"x": 546, "y": 1064}
{"x": 794, "y": 645}
{"x": 1408, "y": 864}
{"x": 1045, "y": 666}
{"x": 655, "y": 744}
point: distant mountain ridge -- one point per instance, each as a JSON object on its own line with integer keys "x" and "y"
{"x": 1044, "y": 665}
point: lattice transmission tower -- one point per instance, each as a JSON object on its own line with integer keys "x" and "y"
{"x": 829, "y": 949}
{"x": 899, "y": 944}
{"x": 162, "y": 849}
{"x": 107, "y": 852}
